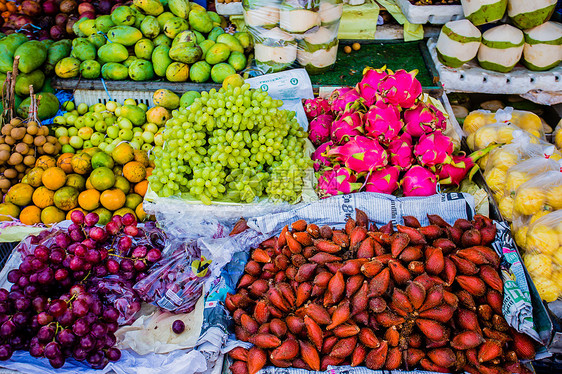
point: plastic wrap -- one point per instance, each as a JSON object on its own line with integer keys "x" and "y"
{"x": 528, "y": 121}
{"x": 557, "y": 135}
{"x": 543, "y": 255}
{"x": 291, "y": 32}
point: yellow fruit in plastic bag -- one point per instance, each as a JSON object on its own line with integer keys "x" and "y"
{"x": 475, "y": 120}
{"x": 498, "y": 195}
{"x": 529, "y": 201}
{"x": 515, "y": 179}
{"x": 483, "y": 161}
{"x": 538, "y": 265}
{"x": 505, "y": 134}
{"x": 520, "y": 236}
{"x": 538, "y": 215}
{"x": 557, "y": 258}
{"x": 506, "y": 208}
{"x": 559, "y": 232}
{"x": 470, "y": 141}
{"x": 484, "y": 137}
{"x": 535, "y": 140}
{"x": 548, "y": 290}
{"x": 503, "y": 159}
{"x": 543, "y": 239}
{"x": 558, "y": 139}
{"x": 536, "y": 133}
{"x": 496, "y": 179}
{"x": 554, "y": 197}
{"x": 557, "y": 279}
{"x": 526, "y": 120}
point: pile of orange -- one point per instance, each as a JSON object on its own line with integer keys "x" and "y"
{"x": 90, "y": 181}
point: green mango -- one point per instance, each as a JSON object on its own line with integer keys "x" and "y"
{"x": 205, "y": 46}
{"x": 231, "y": 42}
{"x": 68, "y": 67}
{"x": 112, "y": 52}
{"x": 84, "y": 51}
{"x": 32, "y": 55}
{"x": 8, "y": 47}
{"x": 217, "y": 53}
{"x": 123, "y": 16}
{"x": 36, "y": 78}
{"x": 161, "y": 60}
{"x": 245, "y": 40}
{"x": 174, "y": 26}
{"x": 114, "y": 71}
{"x": 163, "y": 40}
{"x": 88, "y": 27}
{"x": 125, "y": 35}
{"x": 150, "y": 7}
{"x": 219, "y": 72}
{"x": 47, "y": 108}
{"x": 199, "y": 20}
{"x": 237, "y": 60}
{"x": 47, "y": 42}
{"x": 144, "y": 48}
{"x": 215, "y": 32}
{"x": 134, "y": 114}
{"x": 163, "y": 18}
{"x": 182, "y": 52}
{"x": 76, "y": 28}
{"x": 76, "y": 42}
{"x": 188, "y": 98}
{"x": 47, "y": 86}
{"x": 138, "y": 20}
{"x": 215, "y": 18}
{"x": 90, "y": 69}
{"x": 200, "y": 72}
{"x": 166, "y": 98}
{"x": 57, "y": 51}
{"x": 104, "y": 23}
{"x": 186, "y": 36}
{"x": 200, "y": 37}
{"x": 177, "y": 72}
{"x": 180, "y": 8}
{"x": 130, "y": 60}
{"x": 150, "y": 27}
{"x": 97, "y": 40}
{"x": 141, "y": 70}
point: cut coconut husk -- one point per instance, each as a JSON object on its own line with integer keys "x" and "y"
{"x": 458, "y": 43}
{"x": 526, "y": 14}
{"x": 480, "y": 12}
{"x": 501, "y": 48}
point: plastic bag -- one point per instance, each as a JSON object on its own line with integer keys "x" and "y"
{"x": 497, "y": 133}
{"x": 543, "y": 255}
{"x": 290, "y": 31}
{"x": 557, "y": 135}
{"x": 118, "y": 292}
{"x": 528, "y": 121}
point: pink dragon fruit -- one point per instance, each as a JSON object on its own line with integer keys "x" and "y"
{"x": 384, "y": 180}
{"x": 421, "y": 119}
{"x": 320, "y": 129}
{"x": 321, "y": 161}
{"x": 434, "y": 149}
{"x": 454, "y": 172}
{"x": 418, "y": 181}
{"x": 360, "y": 154}
{"x": 337, "y": 181}
{"x": 316, "y": 107}
{"x": 369, "y": 85}
{"x": 347, "y": 125}
{"x": 341, "y": 98}
{"x": 382, "y": 122}
{"x": 400, "y": 152}
{"x": 441, "y": 119}
{"x": 401, "y": 88}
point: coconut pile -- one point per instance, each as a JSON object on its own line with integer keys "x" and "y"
{"x": 529, "y": 37}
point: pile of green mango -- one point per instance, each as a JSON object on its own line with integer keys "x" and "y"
{"x": 37, "y": 60}
{"x": 175, "y": 39}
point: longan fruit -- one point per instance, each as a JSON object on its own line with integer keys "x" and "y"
{"x": 27, "y": 139}
{"x": 49, "y": 148}
{"x": 20, "y": 168}
{"x": 58, "y": 148}
{"x": 32, "y": 123}
{"x": 2, "y": 141}
{"x": 347, "y": 49}
{"x": 15, "y": 159}
{"x": 32, "y": 130}
{"x": 356, "y": 46}
{"x": 5, "y": 147}
{"x": 40, "y": 150}
{"x": 10, "y": 173}
{"x": 15, "y": 122}
{"x": 39, "y": 140}
{"x": 9, "y": 140}
{"x": 22, "y": 148}
{"x": 30, "y": 151}
{"x": 7, "y": 129}
{"x": 18, "y": 133}
{"x": 52, "y": 139}
{"x": 4, "y": 155}
{"x": 5, "y": 183}
{"x": 29, "y": 160}
{"x": 45, "y": 130}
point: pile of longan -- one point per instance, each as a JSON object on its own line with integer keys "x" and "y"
{"x": 20, "y": 143}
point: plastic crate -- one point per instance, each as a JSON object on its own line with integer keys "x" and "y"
{"x": 5, "y": 252}
{"x": 434, "y": 14}
{"x": 91, "y": 97}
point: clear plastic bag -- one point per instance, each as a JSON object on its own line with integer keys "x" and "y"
{"x": 543, "y": 255}
{"x": 294, "y": 31}
{"x": 119, "y": 293}
{"x": 557, "y": 135}
{"x": 527, "y": 121}
{"x": 497, "y": 133}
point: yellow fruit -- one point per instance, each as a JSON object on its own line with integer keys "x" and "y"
{"x": 503, "y": 159}
{"x": 538, "y": 264}
{"x": 554, "y": 197}
{"x": 556, "y": 156}
{"x": 547, "y": 289}
{"x": 89, "y": 184}
{"x": 520, "y": 236}
{"x": 536, "y": 133}
{"x": 134, "y": 171}
{"x": 483, "y": 161}
{"x": 30, "y": 215}
{"x": 52, "y": 214}
{"x": 133, "y": 200}
{"x": 34, "y": 177}
{"x": 515, "y": 179}
{"x": 45, "y": 162}
{"x": 64, "y": 162}
{"x": 476, "y": 120}
{"x": 141, "y": 156}
{"x": 66, "y": 198}
{"x": 82, "y": 163}
{"x": 8, "y": 212}
{"x": 529, "y": 201}
{"x": 558, "y": 139}
{"x": 505, "y": 134}
{"x": 123, "y": 184}
{"x": 76, "y": 180}
{"x": 557, "y": 257}
{"x": 89, "y": 199}
{"x": 53, "y": 178}
{"x": 123, "y": 153}
{"x": 506, "y": 208}
{"x": 140, "y": 213}
{"x": 470, "y": 141}
{"x": 538, "y": 215}
{"x": 496, "y": 179}
{"x": 141, "y": 187}
{"x": 485, "y": 136}
{"x": 20, "y": 194}
{"x": 103, "y": 214}
{"x": 102, "y": 178}
{"x": 112, "y": 199}
{"x": 121, "y": 212}
{"x": 43, "y": 197}
{"x": 543, "y": 239}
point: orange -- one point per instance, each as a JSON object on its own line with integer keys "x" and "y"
{"x": 89, "y": 184}
{"x": 20, "y": 194}
{"x": 91, "y": 151}
{"x": 76, "y": 180}
{"x": 134, "y": 171}
{"x": 34, "y": 177}
{"x": 102, "y": 178}
{"x": 52, "y": 214}
{"x": 103, "y": 214}
{"x": 123, "y": 153}
{"x": 123, "y": 184}
{"x": 66, "y": 198}
{"x": 133, "y": 200}
{"x": 112, "y": 199}
{"x": 118, "y": 170}
{"x": 82, "y": 163}
{"x": 149, "y": 172}
{"x": 53, "y": 178}
{"x": 140, "y": 213}
{"x": 30, "y": 215}
{"x": 89, "y": 199}
{"x": 141, "y": 156}
{"x": 141, "y": 187}
{"x": 69, "y": 213}
{"x": 64, "y": 162}
{"x": 45, "y": 162}
{"x": 121, "y": 212}
{"x": 43, "y": 197}
{"x": 8, "y": 211}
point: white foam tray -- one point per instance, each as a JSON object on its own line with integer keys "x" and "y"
{"x": 472, "y": 78}
{"x": 434, "y": 14}
{"x": 229, "y": 9}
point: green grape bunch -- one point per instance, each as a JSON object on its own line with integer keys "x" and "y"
{"x": 234, "y": 144}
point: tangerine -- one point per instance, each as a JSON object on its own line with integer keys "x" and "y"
{"x": 34, "y": 176}
{"x": 9, "y": 211}
{"x": 52, "y": 214}
{"x": 82, "y": 163}
{"x": 123, "y": 184}
{"x": 102, "y": 159}
{"x": 65, "y": 162}
{"x": 103, "y": 214}
{"x": 112, "y": 199}
{"x": 43, "y": 197}
{"x": 141, "y": 187}
{"x": 91, "y": 151}
{"x": 123, "y": 153}
{"x": 141, "y": 156}
{"x": 45, "y": 162}
{"x": 20, "y": 194}
{"x": 89, "y": 199}
{"x": 102, "y": 178}
{"x": 134, "y": 171}
{"x": 30, "y": 215}
{"x": 133, "y": 200}
{"x": 53, "y": 178}
{"x": 140, "y": 213}
{"x": 66, "y": 198}
{"x": 89, "y": 184}
{"x": 76, "y": 180}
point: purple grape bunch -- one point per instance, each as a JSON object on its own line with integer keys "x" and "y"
{"x": 72, "y": 292}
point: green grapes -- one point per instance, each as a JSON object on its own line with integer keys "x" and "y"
{"x": 234, "y": 144}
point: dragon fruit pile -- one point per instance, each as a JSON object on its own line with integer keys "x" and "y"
{"x": 380, "y": 136}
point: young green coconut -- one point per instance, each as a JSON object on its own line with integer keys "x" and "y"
{"x": 480, "y": 12}
{"x": 318, "y": 51}
{"x": 501, "y": 48}
{"x": 543, "y": 46}
{"x": 297, "y": 17}
{"x": 458, "y": 43}
{"x": 275, "y": 50}
{"x": 526, "y": 14}
{"x": 261, "y": 13}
